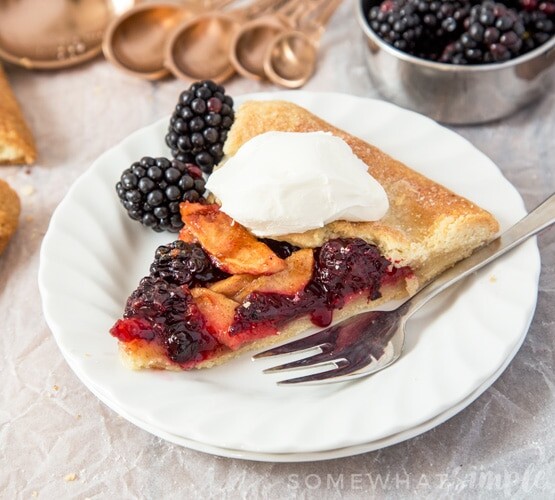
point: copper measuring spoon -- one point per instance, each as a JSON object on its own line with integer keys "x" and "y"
{"x": 134, "y": 42}
{"x": 199, "y": 48}
{"x": 56, "y": 34}
{"x": 250, "y": 42}
{"x": 290, "y": 59}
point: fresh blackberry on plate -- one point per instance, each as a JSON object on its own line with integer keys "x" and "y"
{"x": 183, "y": 263}
{"x": 152, "y": 189}
{"x": 493, "y": 33}
{"x": 199, "y": 125}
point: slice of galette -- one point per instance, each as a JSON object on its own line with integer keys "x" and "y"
{"x": 267, "y": 261}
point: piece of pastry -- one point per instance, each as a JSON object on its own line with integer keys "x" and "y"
{"x": 10, "y": 208}
{"x": 225, "y": 288}
{"x": 16, "y": 141}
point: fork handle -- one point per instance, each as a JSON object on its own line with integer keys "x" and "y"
{"x": 540, "y": 218}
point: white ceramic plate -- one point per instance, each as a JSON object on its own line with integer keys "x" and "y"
{"x": 93, "y": 256}
{"x": 318, "y": 455}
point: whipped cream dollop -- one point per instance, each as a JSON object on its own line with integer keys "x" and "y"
{"x": 289, "y": 182}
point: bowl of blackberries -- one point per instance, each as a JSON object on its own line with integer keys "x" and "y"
{"x": 460, "y": 61}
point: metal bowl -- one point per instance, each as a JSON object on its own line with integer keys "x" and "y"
{"x": 456, "y": 94}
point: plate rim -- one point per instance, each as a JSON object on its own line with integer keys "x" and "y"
{"x": 316, "y": 456}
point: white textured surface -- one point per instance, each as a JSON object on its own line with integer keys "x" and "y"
{"x": 51, "y": 426}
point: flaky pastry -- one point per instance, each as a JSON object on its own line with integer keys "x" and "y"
{"x": 16, "y": 141}
{"x": 10, "y": 208}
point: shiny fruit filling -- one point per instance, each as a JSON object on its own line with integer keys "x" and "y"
{"x": 342, "y": 268}
{"x": 165, "y": 312}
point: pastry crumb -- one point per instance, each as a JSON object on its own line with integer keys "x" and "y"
{"x": 56, "y": 387}
{"x": 492, "y": 278}
{"x": 70, "y": 477}
{"x": 35, "y": 493}
{"x": 78, "y": 416}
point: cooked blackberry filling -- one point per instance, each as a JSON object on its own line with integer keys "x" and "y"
{"x": 281, "y": 248}
{"x": 348, "y": 266}
{"x": 184, "y": 263}
{"x": 343, "y": 267}
{"x": 419, "y": 27}
{"x": 163, "y": 312}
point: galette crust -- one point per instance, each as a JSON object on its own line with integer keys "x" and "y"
{"x": 10, "y": 208}
{"x": 16, "y": 141}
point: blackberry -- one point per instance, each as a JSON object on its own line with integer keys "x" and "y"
{"x": 464, "y": 31}
{"x": 442, "y": 21}
{"x": 199, "y": 125}
{"x": 547, "y": 7}
{"x": 419, "y": 27}
{"x": 152, "y": 189}
{"x": 165, "y": 313}
{"x": 154, "y": 297}
{"x": 539, "y": 26}
{"x": 493, "y": 33}
{"x": 183, "y": 263}
{"x": 348, "y": 265}
{"x": 397, "y": 22}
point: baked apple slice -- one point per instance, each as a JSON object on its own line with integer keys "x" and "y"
{"x": 290, "y": 281}
{"x": 231, "y": 286}
{"x": 219, "y": 314}
{"x": 233, "y": 248}
{"x": 186, "y": 236}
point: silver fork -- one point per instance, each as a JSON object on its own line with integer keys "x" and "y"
{"x": 369, "y": 342}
